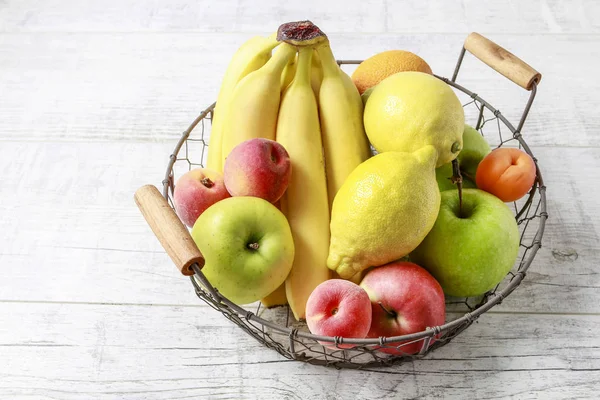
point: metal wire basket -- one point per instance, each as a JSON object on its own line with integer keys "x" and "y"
{"x": 276, "y": 329}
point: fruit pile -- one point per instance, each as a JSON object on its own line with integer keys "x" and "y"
{"x": 294, "y": 208}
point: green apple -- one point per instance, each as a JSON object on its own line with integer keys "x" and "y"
{"x": 475, "y": 148}
{"x": 365, "y": 96}
{"x": 470, "y": 252}
{"x": 248, "y": 247}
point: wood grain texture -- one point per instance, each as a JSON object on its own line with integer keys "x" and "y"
{"x": 150, "y": 86}
{"x": 114, "y": 352}
{"x": 168, "y": 229}
{"x": 375, "y": 16}
{"x": 89, "y": 235}
{"x": 502, "y": 61}
{"x": 93, "y": 96}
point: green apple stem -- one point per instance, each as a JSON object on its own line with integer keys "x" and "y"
{"x": 388, "y": 311}
{"x": 253, "y": 246}
{"x": 457, "y": 180}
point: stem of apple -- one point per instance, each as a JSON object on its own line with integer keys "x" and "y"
{"x": 389, "y": 312}
{"x": 207, "y": 182}
{"x": 457, "y": 180}
{"x": 253, "y": 246}
{"x": 469, "y": 177}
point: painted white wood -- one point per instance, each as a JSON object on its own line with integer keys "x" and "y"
{"x": 107, "y": 352}
{"x": 68, "y": 214}
{"x": 535, "y": 16}
{"x": 150, "y": 86}
{"x": 94, "y": 94}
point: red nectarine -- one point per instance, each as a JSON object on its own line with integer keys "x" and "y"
{"x": 195, "y": 191}
{"x": 338, "y": 307}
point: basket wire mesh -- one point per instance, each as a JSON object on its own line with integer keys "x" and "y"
{"x": 277, "y": 329}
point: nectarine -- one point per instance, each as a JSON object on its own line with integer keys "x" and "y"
{"x": 195, "y": 191}
{"x": 259, "y": 168}
{"x": 338, "y": 307}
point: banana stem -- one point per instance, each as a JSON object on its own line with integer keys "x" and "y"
{"x": 300, "y": 33}
{"x": 328, "y": 63}
{"x": 281, "y": 58}
{"x": 304, "y": 65}
{"x": 457, "y": 180}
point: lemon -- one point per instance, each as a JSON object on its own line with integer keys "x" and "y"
{"x": 384, "y": 209}
{"x": 409, "y": 110}
{"x": 378, "y": 67}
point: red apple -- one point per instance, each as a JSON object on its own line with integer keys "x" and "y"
{"x": 338, "y": 307}
{"x": 258, "y": 167}
{"x": 197, "y": 190}
{"x": 405, "y": 299}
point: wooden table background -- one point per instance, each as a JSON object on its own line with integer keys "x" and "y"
{"x": 94, "y": 94}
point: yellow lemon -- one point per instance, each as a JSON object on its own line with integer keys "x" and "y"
{"x": 409, "y": 110}
{"x": 384, "y": 209}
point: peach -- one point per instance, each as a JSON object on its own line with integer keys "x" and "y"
{"x": 195, "y": 191}
{"x": 338, "y": 307}
{"x": 258, "y": 167}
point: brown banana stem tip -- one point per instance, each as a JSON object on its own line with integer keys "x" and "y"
{"x": 300, "y": 33}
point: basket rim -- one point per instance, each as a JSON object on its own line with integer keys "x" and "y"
{"x": 429, "y": 332}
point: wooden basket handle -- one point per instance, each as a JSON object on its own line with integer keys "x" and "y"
{"x": 172, "y": 234}
{"x": 501, "y": 60}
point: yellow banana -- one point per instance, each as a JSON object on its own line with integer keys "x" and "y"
{"x": 316, "y": 74}
{"x": 288, "y": 73}
{"x": 276, "y": 298}
{"x": 341, "y": 114}
{"x": 305, "y": 201}
{"x": 252, "y": 55}
{"x": 254, "y": 105}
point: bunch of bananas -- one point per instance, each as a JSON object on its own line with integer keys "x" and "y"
{"x": 288, "y": 87}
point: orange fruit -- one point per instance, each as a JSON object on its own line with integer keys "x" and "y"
{"x": 378, "y": 67}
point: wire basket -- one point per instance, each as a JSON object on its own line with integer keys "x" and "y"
{"x": 278, "y": 330}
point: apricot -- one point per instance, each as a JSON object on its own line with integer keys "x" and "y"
{"x": 507, "y": 173}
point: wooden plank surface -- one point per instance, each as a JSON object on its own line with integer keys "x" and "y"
{"x": 150, "y": 86}
{"x": 111, "y": 351}
{"x": 93, "y": 96}
{"x": 91, "y": 217}
{"x": 367, "y": 16}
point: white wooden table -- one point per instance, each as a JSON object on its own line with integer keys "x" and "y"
{"x": 94, "y": 94}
